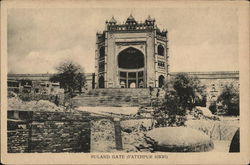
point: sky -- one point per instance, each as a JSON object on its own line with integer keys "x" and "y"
{"x": 200, "y": 39}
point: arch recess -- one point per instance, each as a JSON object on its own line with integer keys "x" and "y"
{"x": 102, "y": 52}
{"x": 161, "y": 81}
{"x": 101, "y": 82}
{"x": 130, "y": 58}
{"x": 160, "y": 50}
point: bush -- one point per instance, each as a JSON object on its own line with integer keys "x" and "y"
{"x": 170, "y": 113}
{"x": 182, "y": 94}
{"x": 230, "y": 100}
{"x": 213, "y": 107}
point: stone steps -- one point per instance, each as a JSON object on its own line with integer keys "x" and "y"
{"x": 107, "y": 101}
{"x": 114, "y": 98}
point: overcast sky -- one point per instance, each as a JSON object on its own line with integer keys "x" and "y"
{"x": 199, "y": 39}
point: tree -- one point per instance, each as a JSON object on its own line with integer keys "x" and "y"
{"x": 70, "y": 76}
{"x": 230, "y": 99}
{"x": 182, "y": 93}
{"x": 190, "y": 91}
{"x": 170, "y": 112}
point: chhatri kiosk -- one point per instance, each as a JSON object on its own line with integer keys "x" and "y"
{"x": 131, "y": 55}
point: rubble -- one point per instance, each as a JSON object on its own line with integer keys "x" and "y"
{"x": 203, "y": 113}
{"x": 133, "y": 134}
{"x": 44, "y": 105}
{"x": 102, "y": 136}
{"x": 15, "y": 103}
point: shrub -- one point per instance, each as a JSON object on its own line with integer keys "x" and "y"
{"x": 213, "y": 107}
{"x": 170, "y": 113}
{"x": 230, "y": 100}
{"x": 182, "y": 94}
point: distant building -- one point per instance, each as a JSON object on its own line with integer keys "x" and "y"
{"x": 39, "y": 83}
{"x": 33, "y": 83}
{"x": 131, "y": 55}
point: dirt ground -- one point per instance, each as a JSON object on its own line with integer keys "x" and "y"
{"x": 221, "y": 145}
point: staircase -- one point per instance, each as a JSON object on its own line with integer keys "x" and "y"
{"x": 115, "y": 97}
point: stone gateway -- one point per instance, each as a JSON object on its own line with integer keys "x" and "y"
{"x": 131, "y": 55}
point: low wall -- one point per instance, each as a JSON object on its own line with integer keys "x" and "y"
{"x": 52, "y": 132}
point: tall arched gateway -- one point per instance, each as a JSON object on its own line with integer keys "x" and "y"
{"x": 131, "y": 54}
{"x": 131, "y": 68}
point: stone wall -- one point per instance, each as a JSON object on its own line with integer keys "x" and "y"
{"x": 214, "y": 82}
{"x": 18, "y": 141}
{"x": 214, "y": 87}
{"x": 208, "y": 78}
{"x": 52, "y": 132}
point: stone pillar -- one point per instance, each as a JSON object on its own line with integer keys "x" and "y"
{"x": 118, "y": 134}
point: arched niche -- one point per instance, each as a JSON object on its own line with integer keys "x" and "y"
{"x": 161, "y": 81}
{"x": 101, "y": 82}
{"x": 160, "y": 50}
{"x": 102, "y": 52}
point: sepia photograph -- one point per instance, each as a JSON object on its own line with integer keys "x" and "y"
{"x": 114, "y": 81}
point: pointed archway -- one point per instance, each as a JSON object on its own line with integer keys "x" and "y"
{"x": 131, "y": 68}
{"x": 101, "y": 82}
{"x": 131, "y": 58}
{"x": 161, "y": 81}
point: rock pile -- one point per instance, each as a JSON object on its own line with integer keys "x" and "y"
{"x": 44, "y": 105}
{"x": 135, "y": 142}
{"x": 133, "y": 132}
{"x": 133, "y": 136}
{"x": 14, "y": 103}
{"x": 203, "y": 113}
{"x": 102, "y": 136}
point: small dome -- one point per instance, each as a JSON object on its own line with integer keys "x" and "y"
{"x": 112, "y": 20}
{"x": 149, "y": 18}
{"x": 131, "y": 19}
